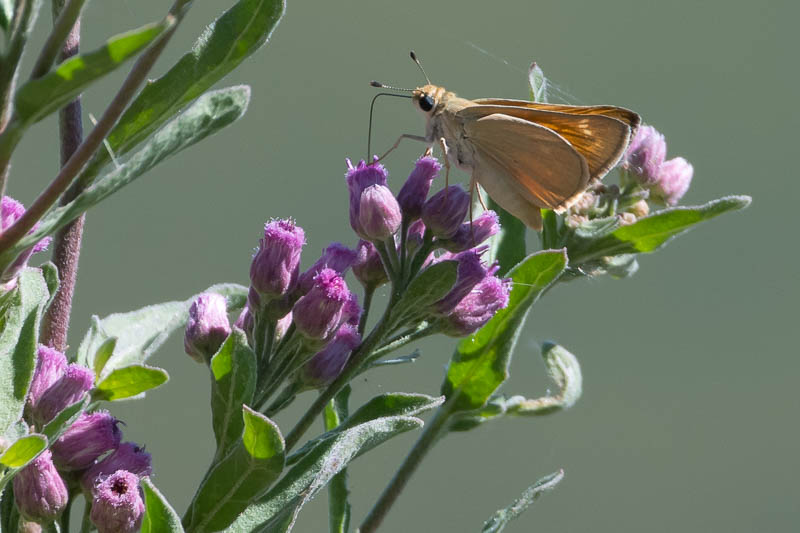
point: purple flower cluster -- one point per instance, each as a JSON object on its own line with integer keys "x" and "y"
{"x": 10, "y": 211}
{"x": 667, "y": 180}
{"x": 90, "y": 450}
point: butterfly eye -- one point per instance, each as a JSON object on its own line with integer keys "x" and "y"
{"x": 426, "y": 103}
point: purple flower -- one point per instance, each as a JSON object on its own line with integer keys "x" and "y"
{"x": 326, "y": 365}
{"x": 444, "y": 212}
{"x": 245, "y": 321}
{"x": 207, "y": 328}
{"x": 10, "y": 211}
{"x": 336, "y": 256}
{"x": 472, "y": 234}
{"x": 50, "y": 367}
{"x": 87, "y": 438}
{"x": 416, "y": 188}
{"x": 470, "y": 272}
{"x": 276, "y": 264}
{"x": 117, "y": 505}
{"x": 359, "y": 178}
{"x": 477, "y": 307}
{"x": 40, "y": 492}
{"x": 318, "y": 314}
{"x": 352, "y": 311}
{"x": 674, "y": 178}
{"x": 379, "y": 214}
{"x": 76, "y": 381}
{"x": 368, "y": 267}
{"x": 645, "y": 154}
{"x": 128, "y": 456}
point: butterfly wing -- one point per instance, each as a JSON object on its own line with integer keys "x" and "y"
{"x": 599, "y": 133}
{"x": 518, "y": 157}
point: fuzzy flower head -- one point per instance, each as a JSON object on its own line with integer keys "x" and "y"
{"x": 50, "y": 367}
{"x": 379, "y": 214}
{"x": 336, "y": 256}
{"x": 318, "y": 314}
{"x": 71, "y": 387}
{"x": 275, "y": 266}
{"x": 10, "y": 211}
{"x": 208, "y": 326}
{"x": 444, "y": 212}
{"x": 368, "y": 267}
{"x": 128, "y": 456}
{"x": 471, "y": 271}
{"x": 87, "y": 438}
{"x": 416, "y": 188}
{"x": 477, "y": 307}
{"x": 327, "y": 364}
{"x": 674, "y": 178}
{"x": 645, "y": 154}
{"x": 471, "y": 234}
{"x": 117, "y": 504}
{"x": 358, "y": 178}
{"x": 40, "y": 492}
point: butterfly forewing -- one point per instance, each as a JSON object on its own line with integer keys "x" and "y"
{"x": 535, "y": 161}
{"x": 599, "y": 138}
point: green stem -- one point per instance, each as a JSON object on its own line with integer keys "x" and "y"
{"x": 338, "y": 506}
{"x": 401, "y": 340}
{"x": 62, "y": 26}
{"x": 403, "y": 251}
{"x": 350, "y": 370}
{"x": 362, "y": 324}
{"x": 387, "y": 263}
{"x": 64, "y": 178}
{"x": 66, "y": 514}
{"x": 433, "y": 430}
{"x": 86, "y": 523}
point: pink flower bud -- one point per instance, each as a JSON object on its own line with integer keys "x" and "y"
{"x": 128, "y": 456}
{"x": 416, "y": 188}
{"x": 336, "y": 256}
{"x": 477, "y": 307}
{"x": 327, "y": 364}
{"x": 50, "y": 367}
{"x": 40, "y": 492}
{"x": 444, "y": 212}
{"x": 275, "y": 266}
{"x": 645, "y": 154}
{"x": 674, "y": 178}
{"x": 368, "y": 267}
{"x": 207, "y": 328}
{"x": 379, "y": 214}
{"x": 117, "y": 505}
{"x": 73, "y": 385}
{"x": 87, "y": 438}
{"x": 318, "y": 314}
{"x": 471, "y": 234}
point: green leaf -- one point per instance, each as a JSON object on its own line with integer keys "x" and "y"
{"x": 39, "y": 97}
{"x": 339, "y": 509}
{"x": 650, "y": 233}
{"x": 391, "y": 404}
{"x": 233, "y": 370}
{"x": 537, "y": 83}
{"x": 18, "y": 340}
{"x": 9, "y": 514}
{"x": 480, "y": 363}
{"x": 210, "y": 113}
{"x": 431, "y": 285}
{"x": 159, "y": 516}
{"x": 224, "y": 44}
{"x": 241, "y": 476}
{"x": 507, "y": 247}
{"x": 129, "y": 381}
{"x": 501, "y": 518}
{"x": 6, "y": 13}
{"x": 278, "y": 509}
{"x": 103, "y": 353}
{"x": 50, "y": 274}
{"x": 23, "y": 451}
{"x": 63, "y": 420}
{"x": 140, "y": 333}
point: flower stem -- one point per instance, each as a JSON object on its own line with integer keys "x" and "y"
{"x": 362, "y": 324}
{"x": 73, "y": 166}
{"x": 433, "y": 430}
{"x": 67, "y": 245}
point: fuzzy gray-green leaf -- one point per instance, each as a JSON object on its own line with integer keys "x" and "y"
{"x": 129, "y": 381}
{"x": 159, "y": 516}
{"x": 501, "y": 518}
{"x": 233, "y": 371}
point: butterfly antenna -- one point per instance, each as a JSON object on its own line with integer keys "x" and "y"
{"x": 380, "y": 85}
{"x": 372, "y": 109}
{"x": 415, "y": 60}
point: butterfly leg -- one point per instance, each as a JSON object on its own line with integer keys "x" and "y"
{"x": 445, "y": 150}
{"x": 397, "y": 143}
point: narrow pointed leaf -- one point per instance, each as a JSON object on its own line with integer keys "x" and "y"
{"x": 210, "y": 113}
{"x": 39, "y": 97}
{"x": 159, "y": 516}
{"x": 21, "y": 314}
{"x": 277, "y": 510}
{"x": 140, "y": 333}
{"x": 650, "y": 233}
{"x": 129, "y": 381}
{"x": 480, "y": 363}
{"x": 501, "y": 518}
{"x": 233, "y": 371}
{"x": 224, "y": 44}
{"x": 240, "y": 477}
{"x": 23, "y": 451}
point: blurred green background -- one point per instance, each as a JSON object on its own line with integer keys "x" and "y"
{"x": 688, "y": 420}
